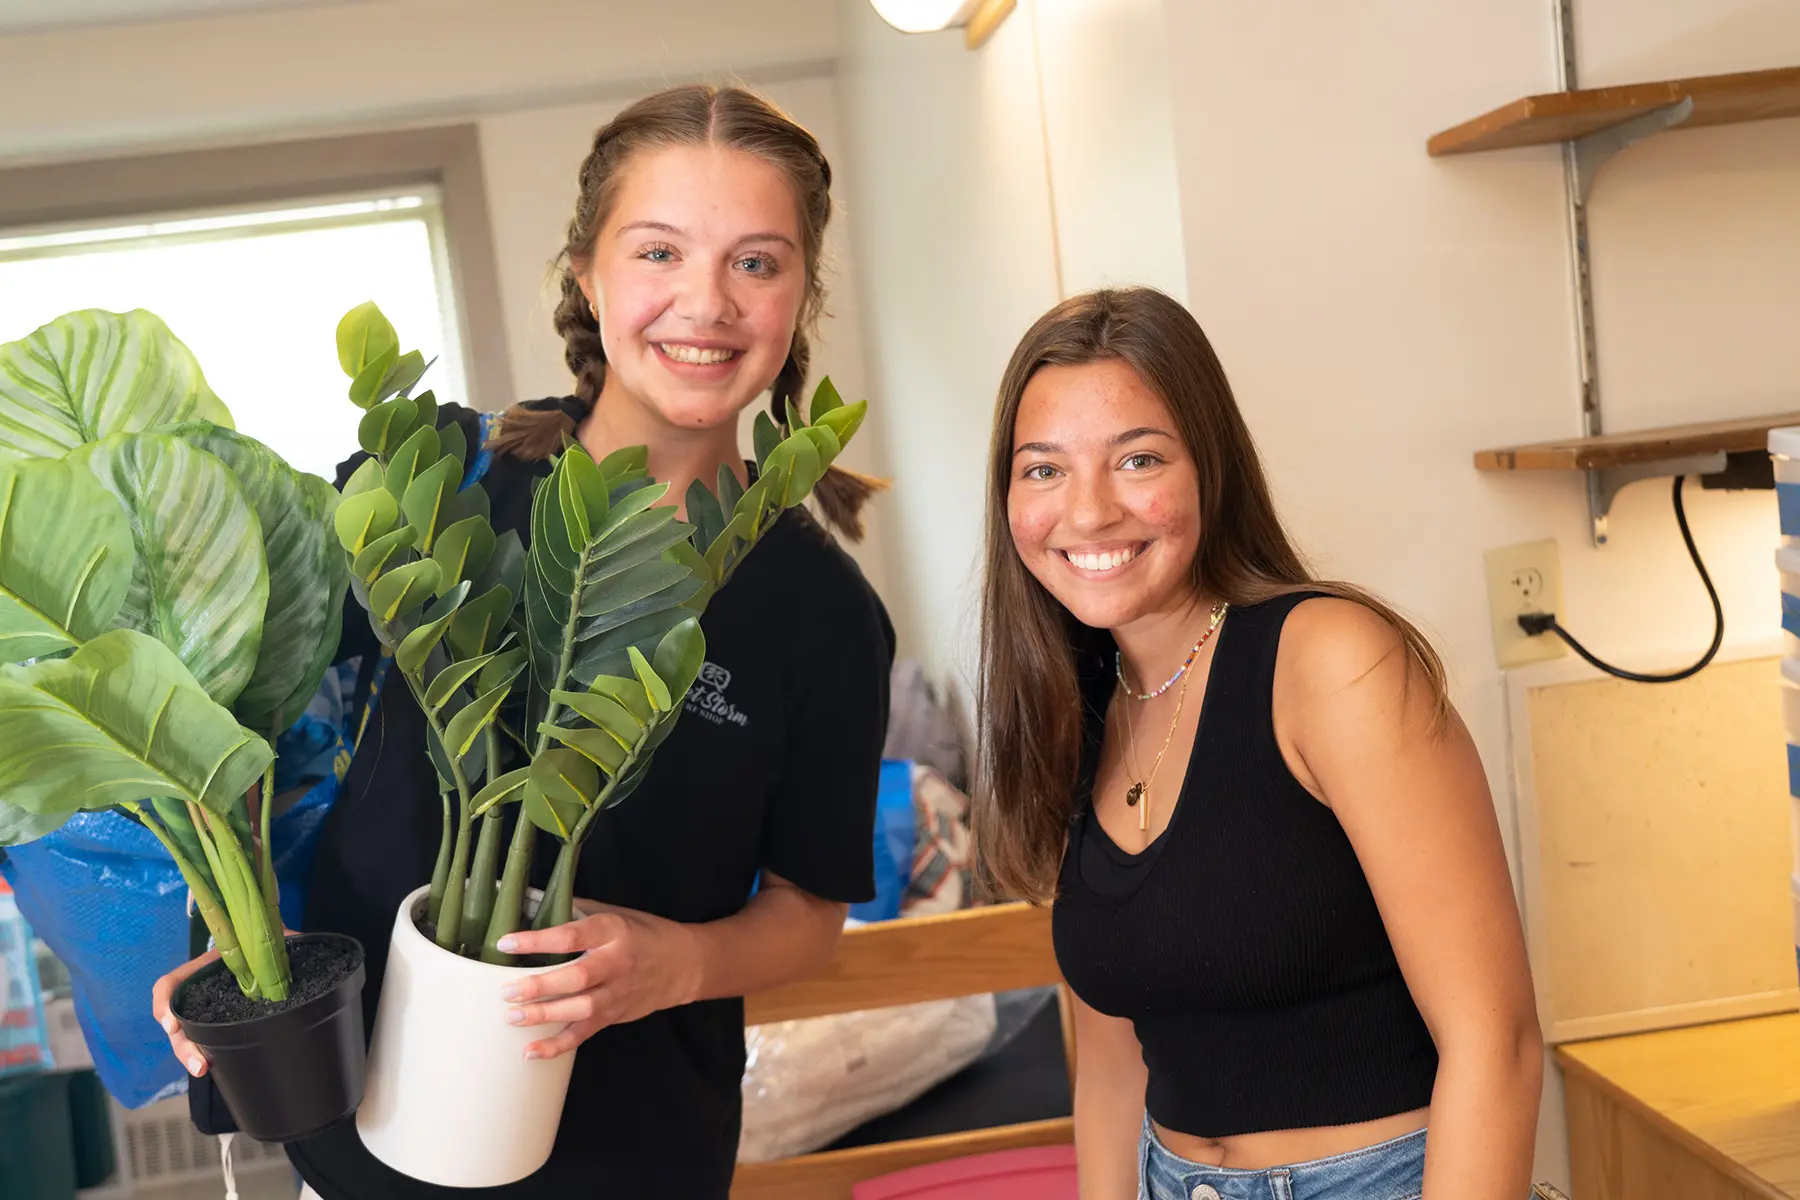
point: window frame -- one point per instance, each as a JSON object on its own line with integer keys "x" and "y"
{"x": 276, "y": 174}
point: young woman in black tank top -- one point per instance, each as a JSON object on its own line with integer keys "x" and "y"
{"x": 1280, "y": 892}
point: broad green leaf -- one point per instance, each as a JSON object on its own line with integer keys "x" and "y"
{"x": 418, "y": 451}
{"x": 364, "y": 517}
{"x": 825, "y": 444}
{"x": 704, "y": 514}
{"x": 364, "y": 335}
{"x": 426, "y": 403}
{"x": 416, "y": 646}
{"x": 116, "y": 721}
{"x": 500, "y": 791}
{"x": 464, "y": 549}
{"x": 305, "y": 591}
{"x": 403, "y": 590}
{"x": 765, "y": 437}
{"x": 402, "y": 375}
{"x": 730, "y": 490}
{"x": 621, "y": 591}
{"x": 639, "y": 540}
{"x": 18, "y": 826}
{"x": 606, "y": 653}
{"x": 735, "y": 535}
{"x": 385, "y": 552}
{"x": 629, "y": 694}
{"x": 680, "y": 656}
{"x": 569, "y": 498}
{"x": 685, "y": 554}
{"x": 825, "y": 399}
{"x": 454, "y": 443}
{"x": 634, "y": 504}
{"x": 795, "y": 422}
{"x": 502, "y": 670}
{"x": 654, "y": 687}
{"x": 365, "y": 388}
{"x": 605, "y": 713}
{"x": 477, "y": 626}
{"x": 469, "y": 502}
{"x": 626, "y": 463}
{"x": 200, "y": 579}
{"x": 845, "y": 421}
{"x": 590, "y": 485}
{"x": 337, "y": 575}
{"x": 799, "y": 462}
{"x": 90, "y": 374}
{"x": 564, "y": 782}
{"x": 367, "y": 477}
{"x": 467, "y": 725}
{"x": 596, "y": 745}
{"x": 385, "y": 426}
{"x": 65, "y": 557}
{"x": 507, "y": 566}
{"x": 444, "y": 684}
{"x": 550, "y": 537}
{"x": 426, "y": 498}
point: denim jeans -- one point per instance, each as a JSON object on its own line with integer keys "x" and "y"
{"x": 1391, "y": 1170}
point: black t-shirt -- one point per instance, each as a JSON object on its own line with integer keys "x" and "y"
{"x": 773, "y": 765}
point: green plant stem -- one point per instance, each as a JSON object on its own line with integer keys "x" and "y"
{"x": 478, "y": 901}
{"x": 440, "y": 874}
{"x": 266, "y": 853}
{"x": 265, "y": 954}
{"x": 567, "y": 660}
{"x": 558, "y": 906}
{"x": 450, "y": 901}
{"x": 205, "y": 899}
{"x": 509, "y": 903}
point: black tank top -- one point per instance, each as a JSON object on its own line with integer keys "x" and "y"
{"x": 1243, "y": 943}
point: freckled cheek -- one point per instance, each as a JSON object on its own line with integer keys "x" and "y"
{"x": 1031, "y": 524}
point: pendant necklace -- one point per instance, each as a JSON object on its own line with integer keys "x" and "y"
{"x": 1138, "y": 794}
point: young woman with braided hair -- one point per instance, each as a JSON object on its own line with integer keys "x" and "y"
{"x": 691, "y": 280}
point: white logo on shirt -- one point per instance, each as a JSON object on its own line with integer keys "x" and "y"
{"x": 707, "y": 697}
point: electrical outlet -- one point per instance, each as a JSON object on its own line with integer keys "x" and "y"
{"x": 1526, "y": 578}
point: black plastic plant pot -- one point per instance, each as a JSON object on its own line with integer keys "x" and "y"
{"x": 297, "y": 1069}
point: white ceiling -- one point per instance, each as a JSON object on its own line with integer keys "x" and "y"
{"x": 35, "y": 16}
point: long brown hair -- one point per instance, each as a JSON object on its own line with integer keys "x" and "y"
{"x": 695, "y": 115}
{"x": 1030, "y": 697}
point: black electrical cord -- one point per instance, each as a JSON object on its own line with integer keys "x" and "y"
{"x": 1536, "y": 623}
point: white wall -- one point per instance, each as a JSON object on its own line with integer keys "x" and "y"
{"x": 960, "y": 248}
{"x": 1383, "y": 314}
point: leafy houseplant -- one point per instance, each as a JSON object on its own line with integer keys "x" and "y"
{"x": 169, "y": 601}
{"x": 589, "y": 642}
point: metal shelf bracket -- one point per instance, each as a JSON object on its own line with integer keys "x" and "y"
{"x": 1605, "y": 483}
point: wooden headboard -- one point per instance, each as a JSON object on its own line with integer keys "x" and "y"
{"x": 967, "y": 953}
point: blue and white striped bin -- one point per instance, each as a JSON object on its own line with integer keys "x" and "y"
{"x": 1784, "y": 448}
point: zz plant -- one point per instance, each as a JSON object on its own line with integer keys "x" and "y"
{"x": 170, "y": 597}
{"x": 572, "y": 658}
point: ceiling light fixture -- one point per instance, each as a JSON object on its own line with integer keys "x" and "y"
{"x": 979, "y": 18}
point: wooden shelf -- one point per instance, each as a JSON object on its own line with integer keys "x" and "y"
{"x": 1559, "y": 116}
{"x": 1629, "y": 449}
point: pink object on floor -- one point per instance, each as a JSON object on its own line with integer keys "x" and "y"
{"x": 1039, "y": 1173}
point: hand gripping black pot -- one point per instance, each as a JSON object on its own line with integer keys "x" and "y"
{"x": 298, "y": 1070}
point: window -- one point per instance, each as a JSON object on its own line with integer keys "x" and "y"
{"x": 256, "y": 293}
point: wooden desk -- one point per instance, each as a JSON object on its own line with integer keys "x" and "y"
{"x": 1711, "y": 1112}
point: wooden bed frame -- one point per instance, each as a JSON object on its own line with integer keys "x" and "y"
{"x": 966, "y": 953}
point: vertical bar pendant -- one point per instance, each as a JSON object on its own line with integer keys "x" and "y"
{"x": 1144, "y": 811}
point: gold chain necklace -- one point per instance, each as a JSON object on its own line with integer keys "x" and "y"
{"x": 1140, "y": 791}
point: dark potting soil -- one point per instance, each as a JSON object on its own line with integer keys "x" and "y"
{"x": 314, "y": 968}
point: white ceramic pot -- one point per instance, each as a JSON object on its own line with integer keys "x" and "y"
{"x": 451, "y": 1097}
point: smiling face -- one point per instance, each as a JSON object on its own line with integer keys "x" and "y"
{"x": 1104, "y": 499}
{"x": 699, "y": 276}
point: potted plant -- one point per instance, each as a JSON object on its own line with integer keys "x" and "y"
{"x": 570, "y": 660}
{"x": 170, "y": 597}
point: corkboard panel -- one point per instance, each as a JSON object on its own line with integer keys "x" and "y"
{"x": 1655, "y": 847}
